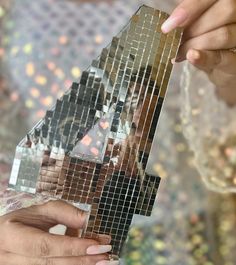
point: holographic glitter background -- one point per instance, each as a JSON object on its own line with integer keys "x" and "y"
{"x": 44, "y": 45}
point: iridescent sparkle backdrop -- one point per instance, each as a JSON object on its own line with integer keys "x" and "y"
{"x": 45, "y": 45}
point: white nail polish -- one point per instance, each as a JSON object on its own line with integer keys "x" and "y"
{"x": 98, "y": 249}
{"x": 169, "y": 24}
{"x": 175, "y": 20}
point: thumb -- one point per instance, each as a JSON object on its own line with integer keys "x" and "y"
{"x": 207, "y": 61}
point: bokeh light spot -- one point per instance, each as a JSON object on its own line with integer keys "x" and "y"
{"x": 30, "y": 70}
{"x": 75, "y": 71}
{"x": 63, "y": 40}
{"x": 29, "y": 103}
{"x": 41, "y": 80}
{"x": 28, "y": 48}
{"x": 34, "y": 92}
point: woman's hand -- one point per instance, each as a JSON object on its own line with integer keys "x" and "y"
{"x": 25, "y": 240}
{"x": 210, "y": 31}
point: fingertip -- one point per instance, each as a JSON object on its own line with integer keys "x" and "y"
{"x": 193, "y": 56}
{"x": 176, "y": 19}
{"x": 173, "y": 61}
{"x": 165, "y": 28}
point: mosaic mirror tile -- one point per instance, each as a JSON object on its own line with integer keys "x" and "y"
{"x": 93, "y": 146}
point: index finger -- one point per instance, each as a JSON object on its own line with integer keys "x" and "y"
{"x": 52, "y": 213}
{"x": 31, "y": 242}
{"x": 185, "y": 13}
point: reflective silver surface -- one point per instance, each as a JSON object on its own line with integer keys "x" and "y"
{"x": 93, "y": 146}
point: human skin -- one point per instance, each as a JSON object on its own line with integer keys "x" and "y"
{"x": 25, "y": 238}
{"x": 209, "y": 34}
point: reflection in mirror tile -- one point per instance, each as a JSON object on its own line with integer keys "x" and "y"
{"x": 93, "y": 146}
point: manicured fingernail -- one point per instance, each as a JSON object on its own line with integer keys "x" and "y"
{"x": 98, "y": 249}
{"x": 175, "y": 20}
{"x": 107, "y": 262}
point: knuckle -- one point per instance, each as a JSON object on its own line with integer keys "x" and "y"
{"x": 225, "y": 35}
{"x": 43, "y": 248}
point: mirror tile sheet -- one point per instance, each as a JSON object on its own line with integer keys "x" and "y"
{"x": 93, "y": 146}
